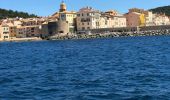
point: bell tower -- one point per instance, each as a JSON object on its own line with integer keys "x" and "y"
{"x": 63, "y": 7}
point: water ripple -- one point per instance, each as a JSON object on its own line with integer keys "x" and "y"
{"x": 134, "y": 68}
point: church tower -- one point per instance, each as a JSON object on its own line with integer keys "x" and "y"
{"x": 63, "y": 7}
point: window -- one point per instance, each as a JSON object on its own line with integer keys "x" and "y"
{"x": 87, "y": 14}
{"x": 82, "y": 15}
{"x": 82, "y": 20}
{"x": 83, "y": 28}
{"x": 5, "y": 33}
{"x": 88, "y": 19}
{"x": 78, "y": 15}
{"x": 105, "y": 22}
{"x": 5, "y": 37}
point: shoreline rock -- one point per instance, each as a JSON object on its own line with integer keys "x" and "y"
{"x": 111, "y": 34}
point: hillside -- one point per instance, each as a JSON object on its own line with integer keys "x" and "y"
{"x": 12, "y": 14}
{"x": 160, "y": 10}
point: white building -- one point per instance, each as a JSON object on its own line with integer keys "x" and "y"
{"x": 88, "y": 18}
{"x": 161, "y": 19}
{"x": 4, "y": 32}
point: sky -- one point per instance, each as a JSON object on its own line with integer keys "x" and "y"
{"x": 48, "y": 7}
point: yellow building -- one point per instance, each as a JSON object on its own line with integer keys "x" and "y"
{"x": 138, "y": 17}
{"x": 142, "y": 20}
{"x": 70, "y": 18}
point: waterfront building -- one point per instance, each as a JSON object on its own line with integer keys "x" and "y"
{"x": 140, "y": 17}
{"x": 161, "y": 19}
{"x": 21, "y": 32}
{"x": 66, "y": 16}
{"x": 88, "y": 18}
{"x": 136, "y": 17}
{"x": 149, "y": 18}
{"x": 12, "y": 31}
{"x": 115, "y": 21}
{"x": 4, "y": 32}
{"x": 8, "y": 31}
{"x": 118, "y": 21}
{"x": 44, "y": 30}
{"x": 70, "y": 18}
{"x": 54, "y": 28}
{"x": 33, "y": 31}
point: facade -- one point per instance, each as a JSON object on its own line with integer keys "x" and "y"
{"x": 66, "y": 16}
{"x": 134, "y": 19}
{"x": 54, "y": 28}
{"x": 44, "y": 30}
{"x": 149, "y": 18}
{"x": 88, "y": 18}
{"x": 33, "y": 31}
{"x": 146, "y": 18}
{"x": 115, "y": 21}
{"x": 4, "y": 32}
{"x": 21, "y": 32}
{"x": 119, "y": 21}
{"x": 12, "y": 31}
{"x": 161, "y": 19}
{"x": 70, "y": 18}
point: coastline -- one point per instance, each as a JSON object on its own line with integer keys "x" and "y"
{"x": 111, "y": 35}
{"x": 93, "y": 36}
{"x": 22, "y": 39}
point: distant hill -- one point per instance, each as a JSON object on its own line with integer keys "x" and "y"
{"x": 160, "y": 10}
{"x": 13, "y": 14}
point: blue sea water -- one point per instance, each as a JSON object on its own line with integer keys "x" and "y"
{"x": 129, "y": 68}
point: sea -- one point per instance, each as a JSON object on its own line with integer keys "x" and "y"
{"x": 121, "y": 68}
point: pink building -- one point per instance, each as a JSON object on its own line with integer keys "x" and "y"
{"x": 132, "y": 19}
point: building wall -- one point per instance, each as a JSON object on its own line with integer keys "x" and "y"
{"x": 161, "y": 20}
{"x": 149, "y": 19}
{"x": 4, "y": 33}
{"x": 59, "y": 27}
{"x": 63, "y": 27}
{"x": 119, "y": 21}
{"x": 21, "y": 32}
{"x": 33, "y": 31}
{"x": 87, "y": 18}
{"x": 13, "y": 31}
{"x": 132, "y": 19}
{"x": 44, "y": 30}
{"x": 70, "y": 18}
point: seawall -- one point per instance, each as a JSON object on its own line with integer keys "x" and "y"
{"x": 108, "y": 34}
